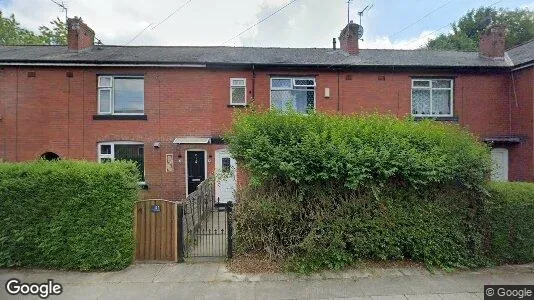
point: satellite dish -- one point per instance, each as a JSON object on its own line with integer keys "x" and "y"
{"x": 359, "y": 30}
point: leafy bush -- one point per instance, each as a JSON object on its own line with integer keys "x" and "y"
{"x": 327, "y": 228}
{"x": 67, "y": 215}
{"x": 510, "y": 222}
{"x": 356, "y": 151}
{"x": 327, "y": 190}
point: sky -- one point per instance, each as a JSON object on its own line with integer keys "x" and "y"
{"x": 389, "y": 24}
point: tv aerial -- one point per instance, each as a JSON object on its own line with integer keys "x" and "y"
{"x": 360, "y": 13}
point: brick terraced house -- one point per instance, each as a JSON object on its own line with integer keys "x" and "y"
{"x": 167, "y": 107}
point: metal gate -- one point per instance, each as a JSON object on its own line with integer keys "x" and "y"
{"x": 156, "y": 230}
{"x": 207, "y": 224}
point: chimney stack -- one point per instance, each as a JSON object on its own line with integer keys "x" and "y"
{"x": 79, "y": 35}
{"x": 493, "y": 42}
{"x": 348, "y": 39}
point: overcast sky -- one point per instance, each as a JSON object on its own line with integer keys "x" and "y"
{"x": 401, "y": 24}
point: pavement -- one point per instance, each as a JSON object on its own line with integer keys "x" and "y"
{"x": 215, "y": 281}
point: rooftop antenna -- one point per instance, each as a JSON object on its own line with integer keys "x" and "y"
{"x": 348, "y": 10}
{"x": 63, "y": 6}
{"x": 360, "y": 13}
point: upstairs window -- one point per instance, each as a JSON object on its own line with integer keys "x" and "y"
{"x": 238, "y": 91}
{"x": 293, "y": 93}
{"x": 121, "y": 95}
{"x": 432, "y": 97}
{"x": 130, "y": 151}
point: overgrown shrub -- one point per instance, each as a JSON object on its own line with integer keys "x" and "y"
{"x": 356, "y": 151}
{"x": 510, "y": 222}
{"x": 328, "y": 190}
{"x": 67, "y": 215}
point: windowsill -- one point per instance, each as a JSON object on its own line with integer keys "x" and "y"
{"x": 238, "y": 105}
{"x": 120, "y": 117}
{"x": 143, "y": 185}
{"x": 437, "y": 118}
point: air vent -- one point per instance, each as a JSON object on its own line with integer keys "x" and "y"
{"x": 32, "y": 74}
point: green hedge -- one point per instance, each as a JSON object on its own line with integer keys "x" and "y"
{"x": 510, "y": 222}
{"x": 67, "y": 215}
{"x": 356, "y": 151}
{"x": 328, "y": 190}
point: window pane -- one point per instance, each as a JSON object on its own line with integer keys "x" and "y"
{"x": 104, "y": 97}
{"x": 105, "y": 149}
{"x": 282, "y": 100}
{"x": 304, "y": 100}
{"x": 133, "y": 153}
{"x": 129, "y": 95}
{"x": 226, "y": 164}
{"x": 238, "y": 95}
{"x": 281, "y": 83}
{"x": 420, "y": 102}
{"x": 238, "y": 82}
{"x": 305, "y": 82}
{"x": 441, "y": 83}
{"x": 104, "y": 81}
{"x": 421, "y": 83}
{"x": 441, "y": 102}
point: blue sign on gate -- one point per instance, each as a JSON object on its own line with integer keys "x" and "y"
{"x": 155, "y": 208}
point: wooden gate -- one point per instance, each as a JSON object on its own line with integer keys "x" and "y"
{"x": 156, "y": 230}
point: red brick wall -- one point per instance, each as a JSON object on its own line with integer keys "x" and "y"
{"x": 53, "y": 112}
{"x": 522, "y": 107}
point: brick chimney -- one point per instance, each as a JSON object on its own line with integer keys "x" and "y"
{"x": 493, "y": 42}
{"x": 79, "y": 35}
{"x": 348, "y": 39}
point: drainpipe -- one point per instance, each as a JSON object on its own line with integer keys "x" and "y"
{"x": 253, "y": 82}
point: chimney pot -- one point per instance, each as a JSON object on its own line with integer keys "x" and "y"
{"x": 493, "y": 42}
{"x": 79, "y": 35}
{"x": 349, "y": 39}
{"x": 334, "y": 42}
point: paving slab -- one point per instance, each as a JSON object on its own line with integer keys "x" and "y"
{"x": 215, "y": 281}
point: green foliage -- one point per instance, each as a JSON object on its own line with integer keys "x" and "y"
{"x": 67, "y": 215}
{"x": 510, "y": 234}
{"x": 466, "y": 32}
{"x": 356, "y": 151}
{"x": 11, "y": 33}
{"x": 330, "y": 228}
{"x": 329, "y": 190}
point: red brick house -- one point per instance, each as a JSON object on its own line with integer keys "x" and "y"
{"x": 167, "y": 107}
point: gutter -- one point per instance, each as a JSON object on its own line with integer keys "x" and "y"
{"x": 102, "y": 65}
{"x": 527, "y": 65}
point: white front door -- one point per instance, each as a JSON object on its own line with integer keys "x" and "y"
{"x": 226, "y": 176}
{"x": 499, "y": 171}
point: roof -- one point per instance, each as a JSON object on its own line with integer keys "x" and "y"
{"x": 523, "y": 54}
{"x": 326, "y": 57}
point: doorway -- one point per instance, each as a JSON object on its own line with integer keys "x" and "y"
{"x": 195, "y": 169}
{"x": 226, "y": 174}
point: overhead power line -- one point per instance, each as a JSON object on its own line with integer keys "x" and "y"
{"x": 420, "y": 19}
{"x": 260, "y": 21}
{"x": 171, "y": 14}
{"x": 448, "y": 24}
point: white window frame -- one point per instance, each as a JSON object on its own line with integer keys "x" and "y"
{"x": 112, "y": 154}
{"x": 232, "y": 86}
{"x": 111, "y": 88}
{"x": 430, "y": 88}
{"x": 293, "y": 88}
